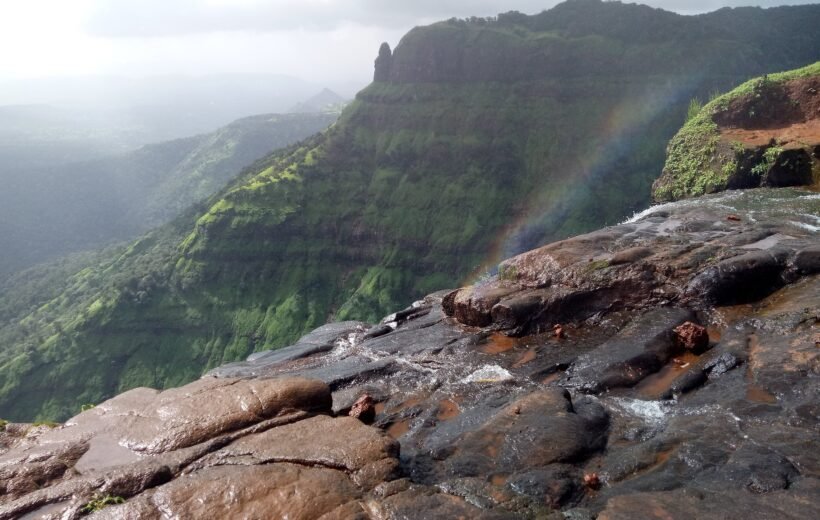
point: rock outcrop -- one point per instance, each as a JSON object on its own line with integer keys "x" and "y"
{"x": 764, "y": 133}
{"x": 480, "y": 410}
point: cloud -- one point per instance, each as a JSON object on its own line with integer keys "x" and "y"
{"x": 162, "y": 18}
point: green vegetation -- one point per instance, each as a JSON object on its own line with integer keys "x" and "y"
{"x": 596, "y": 265}
{"x": 410, "y": 192}
{"x": 691, "y": 160}
{"x": 3, "y": 424}
{"x": 697, "y": 162}
{"x": 508, "y": 273}
{"x": 769, "y": 158}
{"x": 47, "y": 424}
{"x": 695, "y": 106}
{"x": 101, "y": 502}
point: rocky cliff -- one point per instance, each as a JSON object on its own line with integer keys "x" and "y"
{"x": 480, "y": 139}
{"x": 764, "y": 133}
{"x": 666, "y": 367}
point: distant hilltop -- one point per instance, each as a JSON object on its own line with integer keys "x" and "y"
{"x": 325, "y": 101}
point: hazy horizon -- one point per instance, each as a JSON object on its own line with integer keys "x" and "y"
{"x": 102, "y": 45}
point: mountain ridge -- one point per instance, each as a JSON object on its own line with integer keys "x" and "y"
{"x": 69, "y": 207}
{"x": 418, "y": 186}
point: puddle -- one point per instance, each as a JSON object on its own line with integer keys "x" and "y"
{"x": 757, "y": 394}
{"x": 498, "y": 344}
{"x": 655, "y": 385}
{"x": 499, "y": 479}
{"x": 447, "y": 409}
{"x": 398, "y": 428}
{"x": 525, "y": 358}
{"x": 104, "y": 452}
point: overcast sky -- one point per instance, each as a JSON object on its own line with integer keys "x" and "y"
{"x": 323, "y": 41}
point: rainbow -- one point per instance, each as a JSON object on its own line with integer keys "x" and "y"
{"x": 620, "y": 130}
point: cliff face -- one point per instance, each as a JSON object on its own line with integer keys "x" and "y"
{"x": 479, "y": 140}
{"x": 664, "y": 368}
{"x": 596, "y": 39}
{"x": 764, "y": 133}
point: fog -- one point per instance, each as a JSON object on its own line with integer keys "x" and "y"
{"x": 123, "y": 73}
{"x": 70, "y": 53}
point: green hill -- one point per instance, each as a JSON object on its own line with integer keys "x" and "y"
{"x": 49, "y": 210}
{"x": 479, "y": 138}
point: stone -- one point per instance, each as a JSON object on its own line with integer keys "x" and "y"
{"x": 364, "y": 409}
{"x": 744, "y": 278}
{"x": 503, "y": 420}
{"x": 179, "y": 418}
{"x": 269, "y": 491}
{"x": 692, "y": 336}
{"x": 640, "y": 349}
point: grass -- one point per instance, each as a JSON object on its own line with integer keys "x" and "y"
{"x": 47, "y": 424}
{"x": 596, "y": 266}
{"x": 99, "y": 502}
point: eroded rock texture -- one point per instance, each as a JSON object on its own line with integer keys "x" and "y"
{"x": 482, "y": 410}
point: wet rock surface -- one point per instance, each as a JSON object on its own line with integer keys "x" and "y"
{"x": 683, "y": 384}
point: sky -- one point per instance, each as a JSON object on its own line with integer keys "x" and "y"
{"x": 321, "y": 41}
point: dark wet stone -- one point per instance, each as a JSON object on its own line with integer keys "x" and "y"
{"x": 379, "y": 330}
{"x": 640, "y": 349}
{"x": 511, "y": 312}
{"x": 534, "y": 431}
{"x": 808, "y": 260}
{"x": 791, "y": 504}
{"x": 328, "y": 334}
{"x": 721, "y": 364}
{"x": 691, "y": 380}
{"x": 740, "y": 279}
{"x": 556, "y": 485}
{"x": 346, "y": 370}
{"x": 419, "y": 503}
{"x": 791, "y": 168}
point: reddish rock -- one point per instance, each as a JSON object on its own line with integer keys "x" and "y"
{"x": 592, "y": 481}
{"x": 364, "y": 409}
{"x": 734, "y": 218}
{"x": 692, "y": 336}
{"x": 558, "y": 330}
